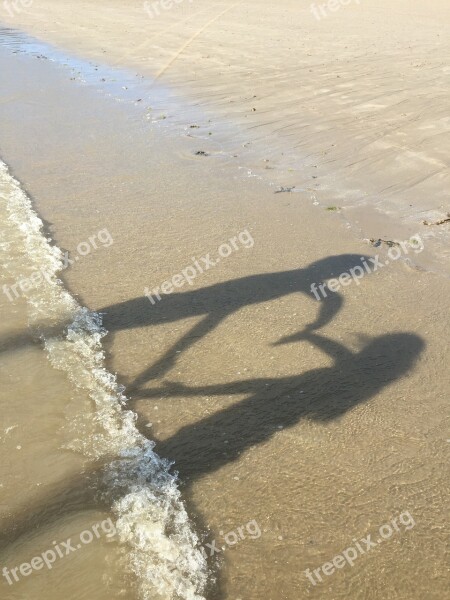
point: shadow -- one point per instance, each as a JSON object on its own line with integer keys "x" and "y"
{"x": 269, "y": 404}
{"x": 213, "y": 304}
{"x": 279, "y": 403}
{"x": 76, "y": 493}
{"x": 216, "y": 302}
{"x": 272, "y": 404}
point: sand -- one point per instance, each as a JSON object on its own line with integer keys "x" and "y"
{"x": 319, "y": 436}
{"x": 351, "y": 105}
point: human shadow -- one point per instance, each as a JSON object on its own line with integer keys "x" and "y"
{"x": 216, "y": 302}
{"x": 321, "y": 394}
{"x": 277, "y": 403}
{"x": 213, "y": 304}
{"x": 272, "y": 404}
{"x": 77, "y": 495}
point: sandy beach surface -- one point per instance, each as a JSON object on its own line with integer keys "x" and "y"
{"x": 349, "y": 102}
{"x": 158, "y": 152}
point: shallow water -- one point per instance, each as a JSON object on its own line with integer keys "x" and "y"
{"x": 150, "y": 519}
{"x": 229, "y": 141}
{"x": 286, "y": 453}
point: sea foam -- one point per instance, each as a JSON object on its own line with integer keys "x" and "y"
{"x": 163, "y": 551}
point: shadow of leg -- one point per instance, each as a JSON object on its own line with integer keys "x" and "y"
{"x": 168, "y": 360}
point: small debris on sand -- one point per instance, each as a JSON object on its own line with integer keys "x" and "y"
{"x": 379, "y": 241}
{"x": 201, "y": 153}
{"x": 440, "y": 222}
{"x": 281, "y": 190}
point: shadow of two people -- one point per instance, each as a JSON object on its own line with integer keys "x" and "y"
{"x": 198, "y": 449}
{"x": 321, "y": 395}
{"x": 327, "y": 393}
{"x": 216, "y": 302}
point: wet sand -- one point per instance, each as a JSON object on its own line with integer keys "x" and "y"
{"x": 351, "y": 106}
{"x": 319, "y": 434}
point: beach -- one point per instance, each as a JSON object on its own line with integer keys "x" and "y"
{"x": 232, "y": 275}
{"x": 351, "y": 104}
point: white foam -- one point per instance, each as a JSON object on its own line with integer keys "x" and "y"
{"x": 163, "y": 551}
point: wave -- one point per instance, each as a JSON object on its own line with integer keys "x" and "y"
{"x": 163, "y": 551}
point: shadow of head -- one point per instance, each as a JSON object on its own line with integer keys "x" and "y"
{"x": 330, "y": 302}
{"x": 394, "y": 354}
{"x": 382, "y": 361}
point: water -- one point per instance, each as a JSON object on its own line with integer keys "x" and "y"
{"x": 150, "y": 518}
{"x": 291, "y": 448}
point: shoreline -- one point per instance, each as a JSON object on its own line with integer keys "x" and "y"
{"x": 222, "y": 140}
{"x": 353, "y": 133}
{"x": 260, "y": 394}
